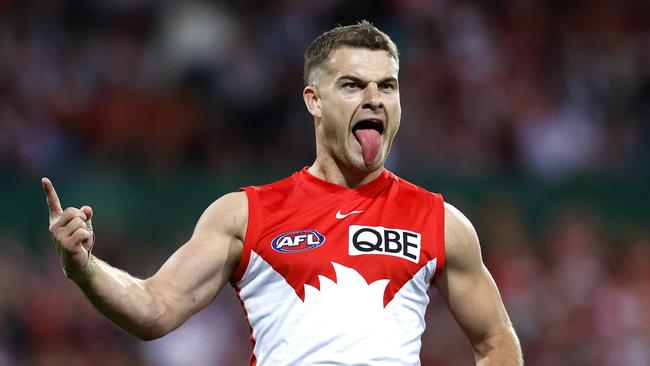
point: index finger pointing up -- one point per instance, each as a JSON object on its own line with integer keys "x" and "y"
{"x": 53, "y": 203}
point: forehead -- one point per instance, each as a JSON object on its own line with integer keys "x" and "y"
{"x": 362, "y": 63}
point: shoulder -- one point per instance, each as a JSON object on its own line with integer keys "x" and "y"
{"x": 457, "y": 225}
{"x": 270, "y": 193}
{"x": 411, "y": 191}
{"x": 461, "y": 240}
{"x": 233, "y": 202}
{"x": 284, "y": 183}
{"x": 228, "y": 214}
{"x": 407, "y": 185}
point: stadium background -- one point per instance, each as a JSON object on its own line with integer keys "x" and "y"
{"x": 530, "y": 116}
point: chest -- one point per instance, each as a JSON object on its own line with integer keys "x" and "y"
{"x": 379, "y": 238}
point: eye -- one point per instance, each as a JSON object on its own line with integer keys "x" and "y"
{"x": 387, "y": 86}
{"x": 351, "y": 85}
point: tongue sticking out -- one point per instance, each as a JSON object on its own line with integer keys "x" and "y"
{"x": 370, "y": 140}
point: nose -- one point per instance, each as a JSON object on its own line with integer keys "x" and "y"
{"x": 372, "y": 97}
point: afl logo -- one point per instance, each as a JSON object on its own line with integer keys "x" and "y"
{"x": 298, "y": 241}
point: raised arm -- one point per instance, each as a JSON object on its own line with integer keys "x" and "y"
{"x": 472, "y": 296}
{"x": 185, "y": 284}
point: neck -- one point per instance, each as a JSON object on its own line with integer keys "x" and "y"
{"x": 337, "y": 174}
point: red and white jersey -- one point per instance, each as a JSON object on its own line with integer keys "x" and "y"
{"x": 338, "y": 276}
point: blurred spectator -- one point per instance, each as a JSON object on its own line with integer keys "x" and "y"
{"x": 518, "y": 85}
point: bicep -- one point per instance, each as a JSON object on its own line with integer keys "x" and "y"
{"x": 191, "y": 278}
{"x": 466, "y": 285}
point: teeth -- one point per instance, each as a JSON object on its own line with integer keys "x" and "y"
{"x": 369, "y": 123}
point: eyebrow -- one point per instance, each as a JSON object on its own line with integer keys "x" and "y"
{"x": 389, "y": 79}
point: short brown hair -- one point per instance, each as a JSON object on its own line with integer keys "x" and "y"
{"x": 360, "y": 35}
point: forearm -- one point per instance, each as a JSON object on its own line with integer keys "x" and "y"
{"x": 501, "y": 349}
{"x": 125, "y": 300}
{"x": 185, "y": 284}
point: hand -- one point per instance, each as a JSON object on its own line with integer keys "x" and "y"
{"x": 71, "y": 230}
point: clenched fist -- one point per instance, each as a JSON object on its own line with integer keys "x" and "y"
{"x": 71, "y": 231}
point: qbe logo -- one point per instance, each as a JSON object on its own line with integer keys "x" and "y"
{"x": 381, "y": 240}
{"x": 298, "y": 241}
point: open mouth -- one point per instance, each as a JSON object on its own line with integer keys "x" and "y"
{"x": 369, "y": 124}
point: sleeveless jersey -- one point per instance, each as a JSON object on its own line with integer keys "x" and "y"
{"x": 338, "y": 276}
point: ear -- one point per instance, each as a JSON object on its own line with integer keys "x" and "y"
{"x": 312, "y": 100}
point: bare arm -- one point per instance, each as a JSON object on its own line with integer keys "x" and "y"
{"x": 472, "y": 296}
{"x": 185, "y": 284}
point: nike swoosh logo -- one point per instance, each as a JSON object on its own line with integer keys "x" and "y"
{"x": 340, "y": 215}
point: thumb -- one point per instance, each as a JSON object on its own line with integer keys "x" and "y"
{"x": 88, "y": 211}
{"x": 89, "y": 242}
{"x": 89, "y": 215}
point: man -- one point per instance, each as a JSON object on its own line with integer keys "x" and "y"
{"x": 333, "y": 263}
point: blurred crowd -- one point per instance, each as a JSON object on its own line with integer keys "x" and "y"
{"x": 549, "y": 88}
{"x": 576, "y": 297}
